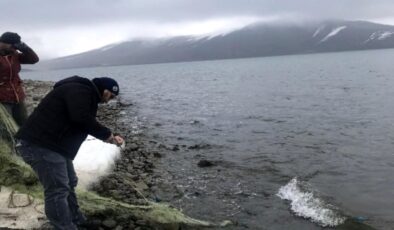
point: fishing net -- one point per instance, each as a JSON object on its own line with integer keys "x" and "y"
{"x": 13, "y": 171}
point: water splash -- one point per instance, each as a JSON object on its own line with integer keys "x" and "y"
{"x": 306, "y": 204}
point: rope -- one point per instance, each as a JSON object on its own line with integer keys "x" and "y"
{"x": 140, "y": 193}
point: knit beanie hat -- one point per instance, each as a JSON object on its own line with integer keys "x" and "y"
{"x": 107, "y": 83}
{"x": 10, "y": 38}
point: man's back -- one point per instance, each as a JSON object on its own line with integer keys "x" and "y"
{"x": 65, "y": 117}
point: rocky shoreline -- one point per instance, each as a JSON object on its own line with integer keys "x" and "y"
{"x": 132, "y": 177}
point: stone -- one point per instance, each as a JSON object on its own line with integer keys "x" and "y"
{"x": 20, "y": 200}
{"x": 140, "y": 186}
{"x": 141, "y": 222}
{"x": 36, "y": 98}
{"x": 124, "y": 217}
{"x": 134, "y": 147}
{"x": 157, "y": 154}
{"x": 130, "y": 168}
{"x": 175, "y": 148}
{"x": 205, "y": 163}
{"x": 199, "y": 146}
{"x": 116, "y": 194}
{"x": 109, "y": 223}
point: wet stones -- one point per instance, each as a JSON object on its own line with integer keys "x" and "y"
{"x": 205, "y": 163}
{"x": 200, "y": 146}
{"x": 157, "y": 154}
{"x": 133, "y": 147}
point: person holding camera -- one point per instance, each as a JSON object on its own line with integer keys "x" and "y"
{"x": 13, "y": 53}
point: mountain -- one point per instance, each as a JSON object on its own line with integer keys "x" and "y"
{"x": 256, "y": 40}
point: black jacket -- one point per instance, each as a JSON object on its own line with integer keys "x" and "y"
{"x": 65, "y": 117}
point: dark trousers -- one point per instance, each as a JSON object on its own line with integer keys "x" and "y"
{"x": 57, "y": 175}
{"x": 17, "y": 110}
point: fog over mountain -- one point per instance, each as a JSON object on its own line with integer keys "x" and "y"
{"x": 256, "y": 40}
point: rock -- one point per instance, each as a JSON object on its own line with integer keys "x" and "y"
{"x": 94, "y": 223}
{"x": 125, "y": 104}
{"x": 175, "y": 148}
{"x": 109, "y": 223}
{"x": 194, "y": 122}
{"x": 116, "y": 194}
{"x": 107, "y": 184}
{"x": 132, "y": 225}
{"x": 141, "y": 222}
{"x": 133, "y": 147}
{"x": 124, "y": 217}
{"x": 157, "y": 154}
{"x": 200, "y": 146}
{"x": 36, "y": 98}
{"x": 156, "y": 198}
{"x": 128, "y": 175}
{"x": 20, "y": 200}
{"x": 196, "y": 193}
{"x": 205, "y": 163}
{"x": 140, "y": 186}
{"x": 130, "y": 168}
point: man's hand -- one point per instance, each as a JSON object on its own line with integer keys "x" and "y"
{"x": 21, "y": 46}
{"x": 117, "y": 140}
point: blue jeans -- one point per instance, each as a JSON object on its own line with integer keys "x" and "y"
{"x": 57, "y": 175}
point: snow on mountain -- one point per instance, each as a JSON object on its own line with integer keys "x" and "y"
{"x": 379, "y": 35}
{"x": 318, "y": 30}
{"x": 385, "y": 35}
{"x": 108, "y": 47}
{"x": 333, "y": 33}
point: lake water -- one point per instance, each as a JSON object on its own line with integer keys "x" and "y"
{"x": 299, "y": 142}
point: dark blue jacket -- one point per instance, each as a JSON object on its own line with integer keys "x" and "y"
{"x": 65, "y": 117}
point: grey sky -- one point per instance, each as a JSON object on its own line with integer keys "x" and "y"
{"x": 56, "y": 27}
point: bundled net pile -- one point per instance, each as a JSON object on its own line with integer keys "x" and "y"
{"x": 13, "y": 171}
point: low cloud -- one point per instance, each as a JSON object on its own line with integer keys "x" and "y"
{"x": 58, "y": 28}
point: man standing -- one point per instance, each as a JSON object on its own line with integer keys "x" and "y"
{"x": 52, "y": 135}
{"x": 13, "y": 53}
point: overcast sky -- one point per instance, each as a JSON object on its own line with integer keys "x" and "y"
{"x": 62, "y": 27}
